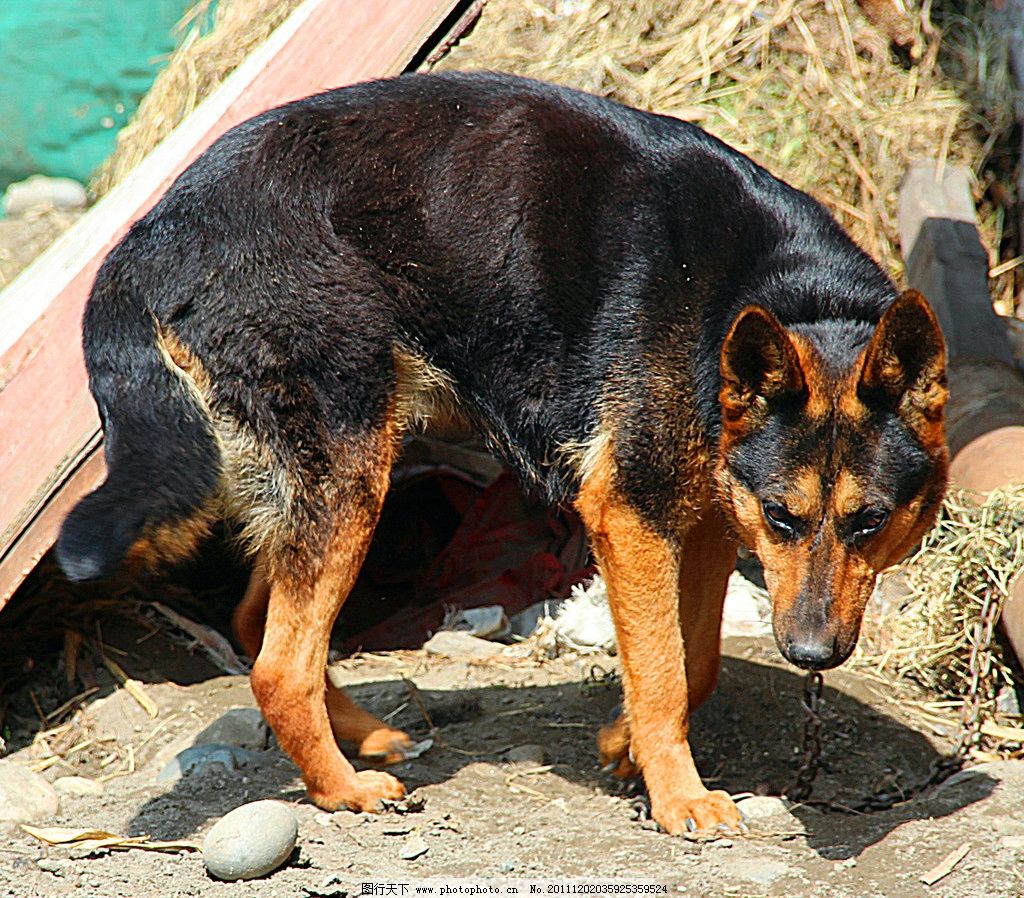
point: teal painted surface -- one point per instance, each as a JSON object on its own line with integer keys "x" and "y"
{"x": 71, "y": 73}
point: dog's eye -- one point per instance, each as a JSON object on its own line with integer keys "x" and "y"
{"x": 870, "y": 520}
{"x": 779, "y": 517}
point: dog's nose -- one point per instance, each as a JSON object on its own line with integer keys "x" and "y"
{"x": 815, "y": 655}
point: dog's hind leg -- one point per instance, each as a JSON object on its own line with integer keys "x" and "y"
{"x": 374, "y": 739}
{"x": 309, "y": 580}
{"x": 708, "y": 558}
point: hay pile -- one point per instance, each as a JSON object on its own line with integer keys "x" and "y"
{"x": 809, "y": 89}
{"x": 964, "y": 568}
{"x": 208, "y": 53}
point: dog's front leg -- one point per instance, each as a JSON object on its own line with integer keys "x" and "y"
{"x": 641, "y": 570}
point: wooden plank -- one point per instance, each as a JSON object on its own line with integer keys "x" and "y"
{"x": 47, "y": 419}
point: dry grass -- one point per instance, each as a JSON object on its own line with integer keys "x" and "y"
{"x": 971, "y": 557}
{"x": 208, "y": 53}
{"x": 808, "y": 88}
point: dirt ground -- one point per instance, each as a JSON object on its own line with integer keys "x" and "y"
{"x": 482, "y": 817}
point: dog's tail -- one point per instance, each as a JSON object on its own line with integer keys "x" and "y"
{"x": 163, "y": 458}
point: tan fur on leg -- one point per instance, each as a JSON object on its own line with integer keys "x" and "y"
{"x": 642, "y": 574}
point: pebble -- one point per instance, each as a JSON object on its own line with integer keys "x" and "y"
{"x": 761, "y": 807}
{"x": 251, "y": 841}
{"x": 529, "y": 755}
{"x": 25, "y": 797}
{"x": 40, "y": 190}
{"x": 58, "y": 866}
{"x": 413, "y": 849}
{"x": 200, "y": 758}
{"x": 762, "y": 871}
{"x": 77, "y": 786}
{"x": 241, "y": 727}
{"x": 452, "y": 644}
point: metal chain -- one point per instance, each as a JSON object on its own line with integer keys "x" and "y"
{"x": 970, "y": 731}
{"x": 980, "y": 667}
{"x": 803, "y": 781}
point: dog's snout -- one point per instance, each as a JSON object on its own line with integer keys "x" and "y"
{"x": 812, "y": 654}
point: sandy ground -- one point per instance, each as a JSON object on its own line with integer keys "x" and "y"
{"x": 482, "y": 817}
{"x": 23, "y": 237}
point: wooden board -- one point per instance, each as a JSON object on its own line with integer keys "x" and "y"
{"x": 49, "y": 433}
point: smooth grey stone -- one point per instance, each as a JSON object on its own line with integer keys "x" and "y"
{"x": 251, "y": 841}
{"x": 529, "y": 755}
{"x": 25, "y": 797}
{"x": 77, "y": 786}
{"x": 760, "y": 807}
{"x": 453, "y": 644}
{"x": 413, "y": 849}
{"x": 243, "y": 727}
{"x": 198, "y": 758}
{"x": 40, "y": 190}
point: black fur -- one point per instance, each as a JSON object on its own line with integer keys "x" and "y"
{"x": 558, "y": 255}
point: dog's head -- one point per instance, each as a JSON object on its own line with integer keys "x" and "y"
{"x": 832, "y": 461}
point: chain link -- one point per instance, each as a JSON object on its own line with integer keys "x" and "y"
{"x": 803, "y": 781}
{"x": 979, "y": 694}
{"x": 980, "y": 691}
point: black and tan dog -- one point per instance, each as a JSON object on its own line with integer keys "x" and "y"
{"x": 641, "y": 321}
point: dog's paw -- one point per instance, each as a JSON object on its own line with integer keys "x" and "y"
{"x": 386, "y": 746}
{"x": 364, "y": 793}
{"x": 613, "y": 749}
{"x": 711, "y": 813}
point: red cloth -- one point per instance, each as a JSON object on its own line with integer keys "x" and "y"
{"x": 508, "y": 550}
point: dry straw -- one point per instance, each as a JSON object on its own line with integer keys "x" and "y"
{"x": 810, "y": 89}
{"x": 972, "y": 556}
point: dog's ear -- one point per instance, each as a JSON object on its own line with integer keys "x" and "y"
{"x": 759, "y": 365}
{"x": 905, "y": 362}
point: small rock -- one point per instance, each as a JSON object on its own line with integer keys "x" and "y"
{"x": 761, "y": 807}
{"x": 323, "y": 819}
{"x": 25, "y": 797}
{"x": 77, "y": 786}
{"x": 519, "y": 831}
{"x": 763, "y": 871}
{"x": 241, "y": 727}
{"x": 40, "y": 190}
{"x": 452, "y": 644}
{"x": 201, "y": 758}
{"x": 58, "y": 866}
{"x": 413, "y": 849}
{"x": 1014, "y": 843}
{"x": 507, "y": 866}
{"x": 529, "y": 755}
{"x": 251, "y": 841}
{"x": 721, "y": 843}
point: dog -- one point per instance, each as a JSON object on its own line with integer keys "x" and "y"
{"x": 641, "y": 322}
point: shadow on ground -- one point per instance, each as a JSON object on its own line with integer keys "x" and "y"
{"x": 745, "y": 739}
